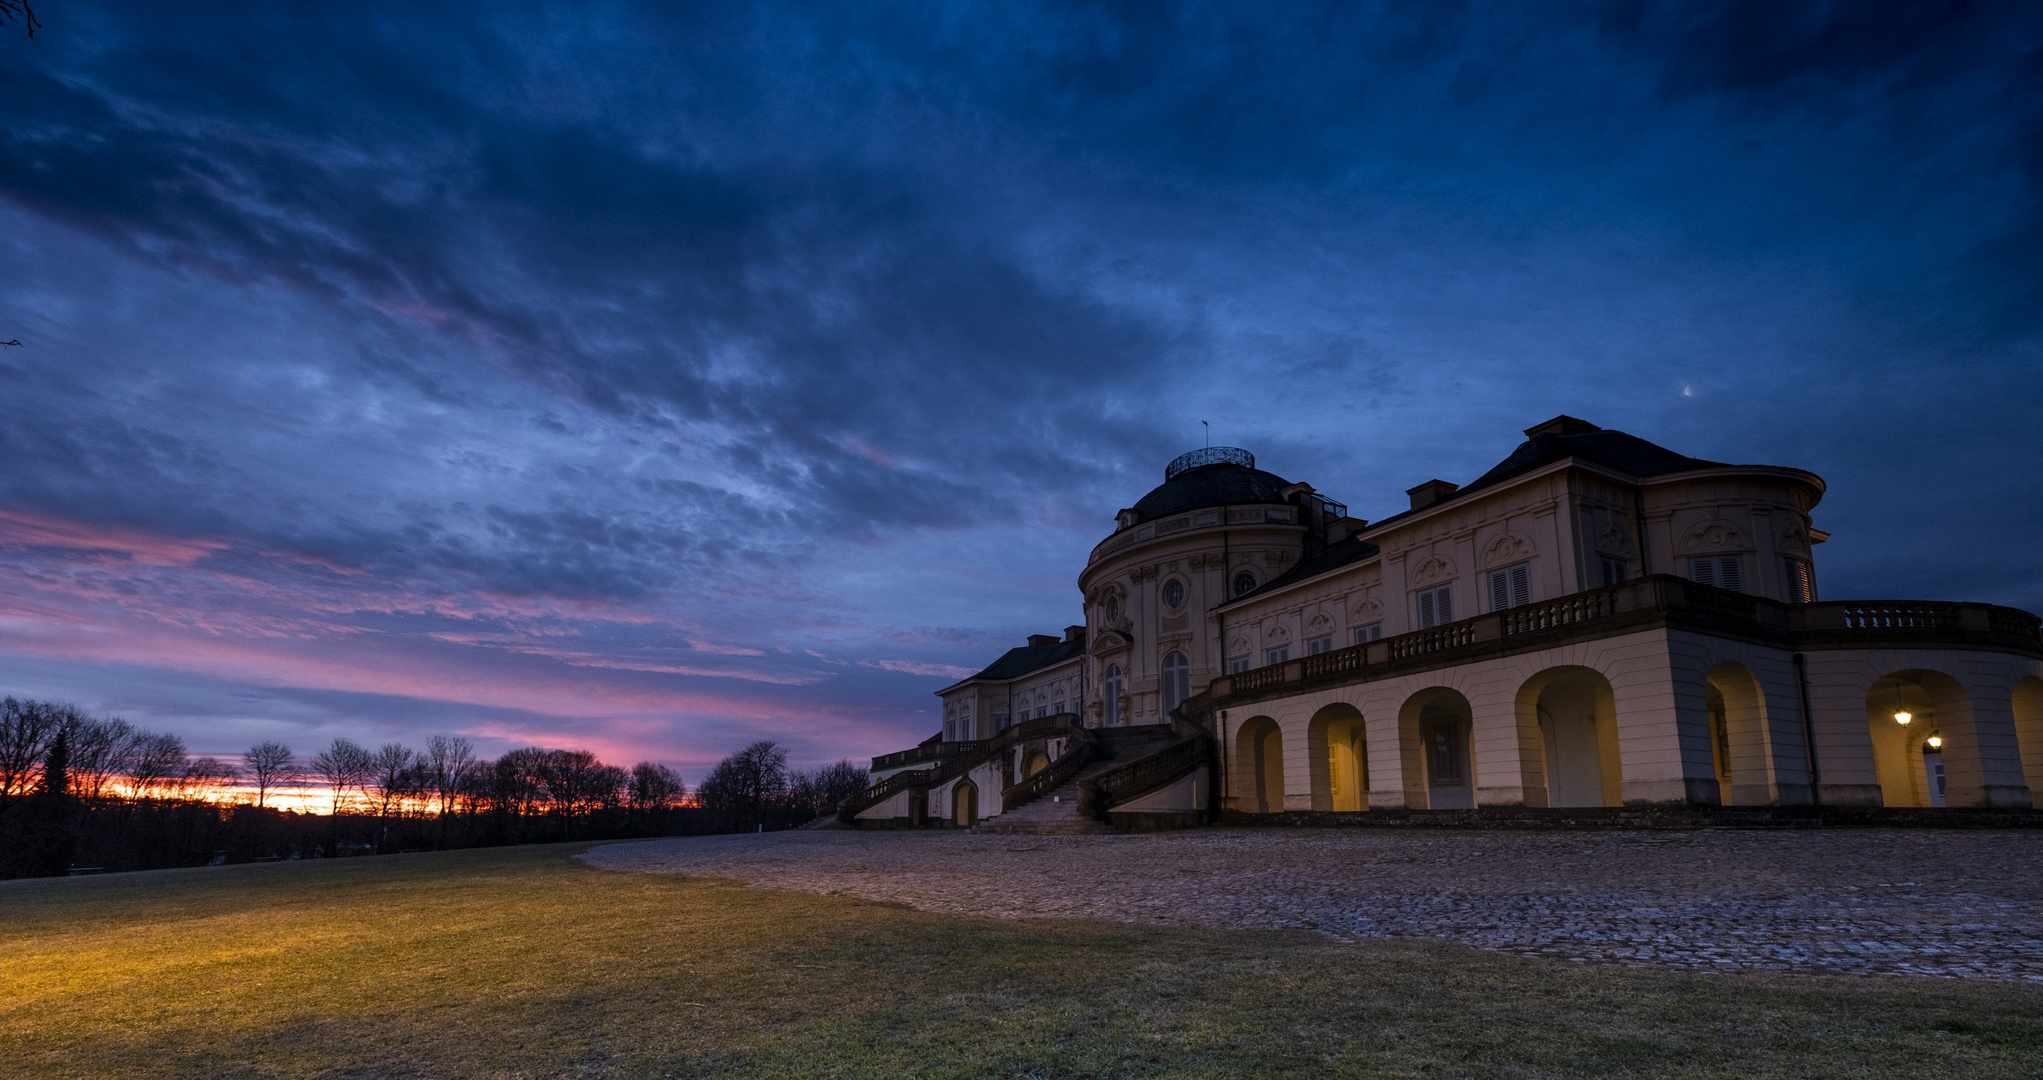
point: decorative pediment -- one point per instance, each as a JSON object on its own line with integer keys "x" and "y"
{"x": 1715, "y": 535}
{"x": 1318, "y": 624}
{"x": 1109, "y": 642}
{"x": 1432, "y": 568}
{"x": 1238, "y": 645}
{"x": 1792, "y": 538}
{"x": 1365, "y": 610}
{"x": 1276, "y": 634}
{"x": 1508, "y": 547}
{"x": 1614, "y": 539}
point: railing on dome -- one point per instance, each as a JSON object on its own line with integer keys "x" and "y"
{"x": 1212, "y": 455}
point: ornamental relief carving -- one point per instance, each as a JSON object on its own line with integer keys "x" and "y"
{"x": 1318, "y": 624}
{"x": 1793, "y": 538}
{"x": 1143, "y": 573}
{"x": 1276, "y": 635}
{"x": 1366, "y": 609}
{"x": 1614, "y": 539}
{"x": 1432, "y": 568}
{"x": 1238, "y": 645}
{"x": 1279, "y": 560}
{"x": 1510, "y": 547}
{"x": 1714, "y": 535}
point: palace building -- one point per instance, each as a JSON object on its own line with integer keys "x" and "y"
{"x": 1596, "y": 621}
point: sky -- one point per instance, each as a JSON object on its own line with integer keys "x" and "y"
{"x": 654, "y": 379}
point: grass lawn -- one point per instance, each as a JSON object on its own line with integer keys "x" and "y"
{"x": 523, "y": 962}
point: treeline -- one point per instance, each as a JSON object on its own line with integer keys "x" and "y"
{"x": 85, "y": 793}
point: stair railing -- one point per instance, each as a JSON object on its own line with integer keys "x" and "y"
{"x": 1086, "y": 748}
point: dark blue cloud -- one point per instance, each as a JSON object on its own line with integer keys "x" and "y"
{"x": 790, "y": 326}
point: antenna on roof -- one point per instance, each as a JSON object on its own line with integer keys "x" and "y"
{"x": 1209, "y": 433}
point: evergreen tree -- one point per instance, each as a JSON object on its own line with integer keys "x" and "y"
{"x": 52, "y": 827}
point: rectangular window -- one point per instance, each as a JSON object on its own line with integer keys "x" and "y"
{"x": 1000, "y": 721}
{"x": 1511, "y": 587}
{"x": 1722, "y": 571}
{"x": 1801, "y": 583}
{"x": 1436, "y": 607}
{"x": 1320, "y": 644}
{"x": 1042, "y": 711}
{"x": 1277, "y": 655}
{"x": 1360, "y": 634}
{"x": 1613, "y": 570}
{"x": 1057, "y": 709}
{"x": 1237, "y": 664}
{"x": 950, "y": 730}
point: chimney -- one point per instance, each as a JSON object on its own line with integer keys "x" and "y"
{"x": 1074, "y": 633}
{"x": 1037, "y": 641}
{"x": 1430, "y": 492}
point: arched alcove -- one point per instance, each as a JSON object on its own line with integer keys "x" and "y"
{"x": 2028, "y": 708}
{"x": 1577, "y": 720}
{"x": 1436, "y": 722}
{"x": 1339, "y": 755}
{"x": 1259, "y": 766}
{"x": 1738, "y": 736}
{"x": 1934, "y": 706}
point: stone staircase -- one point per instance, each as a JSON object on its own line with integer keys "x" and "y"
{"x": 1060, "y": 812}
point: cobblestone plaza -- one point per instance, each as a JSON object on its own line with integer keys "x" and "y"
{"x": 1863, "y": 902}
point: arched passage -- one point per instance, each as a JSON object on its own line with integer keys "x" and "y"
{"x": 1435, "y": 722}
{"x": 2029, "y": 731}
{"x": 1577, "y": 720}
{"x": 965, "y": 804}
{"x": 1036, "y": 762}
{"x": 1259, "y": 766}
{"x": 1919, "y": 719}
{"x": 1339, "y": 755}
{"x": 1738, "y": 739}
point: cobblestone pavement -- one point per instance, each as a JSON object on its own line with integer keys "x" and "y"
{"x": 1862, "y": 902}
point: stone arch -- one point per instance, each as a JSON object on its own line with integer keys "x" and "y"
{"x": 1435, "y": 724}
{"x": 1338, "y": 755}
{"x": 1738, "y": 736}
{"x": 965, "y": 804}
{"x": 1035, "y": 762}
{"x": 1936, "y": 705}
{"x": 1259, "y": 766}
{"x": 1574, "y": 712}
{"x": 2028, "y": 708}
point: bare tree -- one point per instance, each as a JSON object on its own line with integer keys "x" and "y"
{"x": 99, "y": 752}
{"x": 576, "y": 783}
{"x": 26, "y": 729}
{"x": 154, "y": 761}
{"x": 271, "y": 767}
{"x": 342, "y": 767}
{"x": 391, "y": 776}
{"x": 204, "y": 777}
{"x": 9, "y": 10}
{"x": 813, "y": 794}
{"x": 744, "y": 785}
{"x": 655, "y": 786}
{"x": 449, "y": 760}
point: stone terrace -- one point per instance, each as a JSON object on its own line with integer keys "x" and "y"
{"x": 1859, "y": 902}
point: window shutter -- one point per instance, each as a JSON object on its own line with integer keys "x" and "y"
{"x": 1500, "y": 590}
{"x": 1444, "y": 607}
{"x": 1521, "y": 585}
{"x": 1704, "y": 571}
{"x": 1730, "y": 573}
{"x": 1426, "y": 620}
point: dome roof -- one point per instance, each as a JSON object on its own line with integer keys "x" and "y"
{"x": 1220, "y": 484}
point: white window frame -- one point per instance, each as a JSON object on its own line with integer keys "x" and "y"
{"x": 1614, "y": 569}
{"x": 1362, "y": 635}
{"x": 1237, "y": 664}
{"x": 1277, "y": 655}
{"x": 1510, "y": 586}
{"x": 1112, "y": 688}
{"x": 1434, "y": 607}
{"x": 1320, "y": 644}
{"x": 1163, "y": 594}
{"x": 1237, "y": 593}
{"x": 1718, "y": 571}
{"x": 1177, "y": 680}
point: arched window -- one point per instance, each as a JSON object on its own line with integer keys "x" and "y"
{"x": 1244, "y": 583}
{"x": 1177, "y": 681}
{"x": 1173, "y": 594}
{"x": 1113, "y": 610}
{"x": 1113, "y": 693}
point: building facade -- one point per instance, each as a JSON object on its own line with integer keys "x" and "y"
{"x": 1596, "y": 621}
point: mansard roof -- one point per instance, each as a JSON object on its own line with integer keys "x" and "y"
{"x": 1333, "y": 557}
{"x": 1019, "y": 661}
